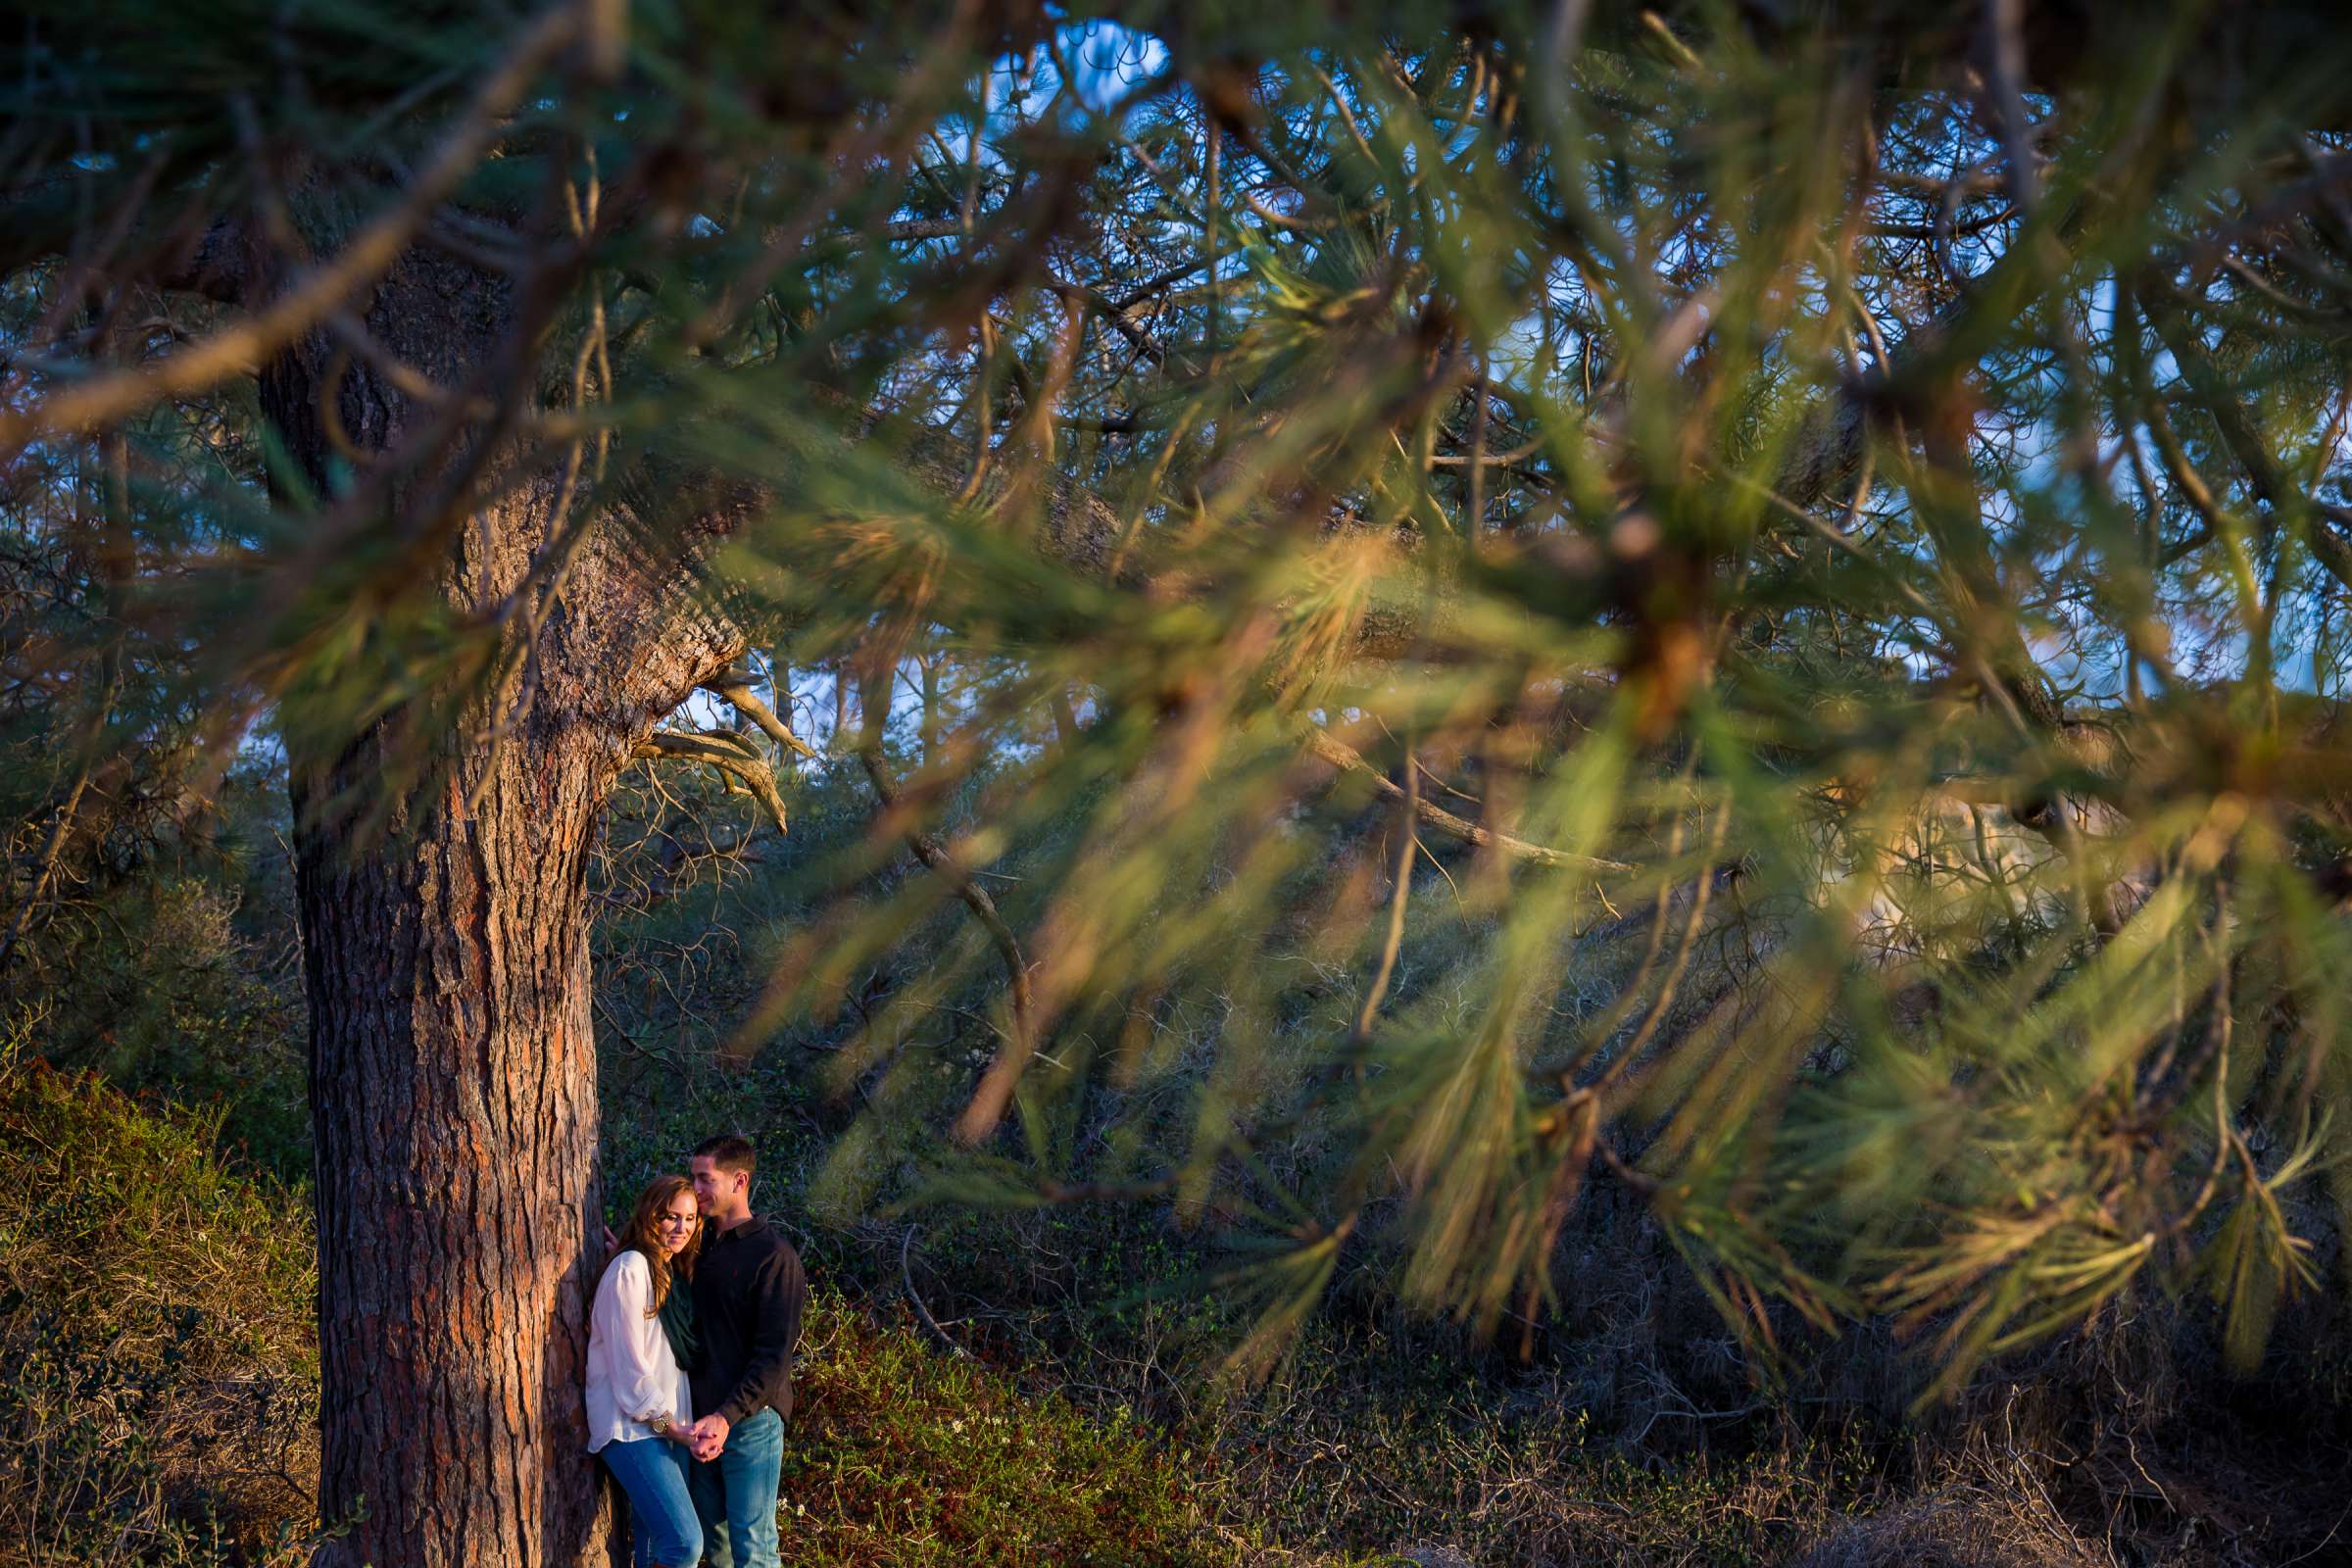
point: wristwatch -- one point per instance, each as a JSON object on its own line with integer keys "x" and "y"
{"x": 660, "y": 1423}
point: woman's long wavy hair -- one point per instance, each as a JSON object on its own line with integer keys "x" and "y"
{"x": 644, "y": 1235}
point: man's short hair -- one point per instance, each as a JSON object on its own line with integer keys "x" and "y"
{"x": 729, "y": 1151}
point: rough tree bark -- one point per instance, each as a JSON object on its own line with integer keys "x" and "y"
{"x": 453, "y": 1101}
{"x": 453, "y": 1084}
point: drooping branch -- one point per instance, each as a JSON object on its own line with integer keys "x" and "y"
{"x": 736, "y": 759}
{"x": 239, "y": 347}
{"x": 1408, "y": 843}
{"x": 944, "y": 863}
{"x": 733, "y": 685}
{"x": 45, "y": 867}
{"x": 914, "y": 1299}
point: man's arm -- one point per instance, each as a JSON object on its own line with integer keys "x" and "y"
{"x": 780, "y": 1291}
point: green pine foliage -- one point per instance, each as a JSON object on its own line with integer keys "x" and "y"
{"x": 1419, "y": 641}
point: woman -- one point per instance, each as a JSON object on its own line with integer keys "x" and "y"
{"x": 640, "y": 1336}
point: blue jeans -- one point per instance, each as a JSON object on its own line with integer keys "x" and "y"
{"x": 662, "y": 1517}
{"x": 736, "y": 1493}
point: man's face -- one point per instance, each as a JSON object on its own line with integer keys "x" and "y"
{"x": 713, "y": 1189}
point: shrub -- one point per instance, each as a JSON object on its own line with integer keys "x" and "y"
{"x": 157, "y": 1369}
{"x": 902, "y": 1457}
{"x": 159, "y": 988}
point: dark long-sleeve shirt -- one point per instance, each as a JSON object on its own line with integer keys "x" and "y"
{"x": 749, "y": 1294}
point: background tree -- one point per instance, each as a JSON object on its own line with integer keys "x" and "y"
{"x": 1833, "y": 517}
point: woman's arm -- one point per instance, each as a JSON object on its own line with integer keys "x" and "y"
{"x": 643, "y": 1372}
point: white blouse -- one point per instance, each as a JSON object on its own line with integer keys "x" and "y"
{"x": 631, "y": 1372}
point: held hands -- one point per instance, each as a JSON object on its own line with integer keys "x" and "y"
{"x": 706, "y": 1438}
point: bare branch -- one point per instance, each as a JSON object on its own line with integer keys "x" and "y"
{"x": 732, "y": 754}
{"x": 1348, "y": 760}
{"x": 914, "y": 1299}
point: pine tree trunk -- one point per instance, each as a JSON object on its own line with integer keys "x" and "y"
{"x": 453, "y": 1101}
{"x": 453, "y": 1069}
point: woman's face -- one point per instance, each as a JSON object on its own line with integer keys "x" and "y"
{"x": 675, "y": 1226}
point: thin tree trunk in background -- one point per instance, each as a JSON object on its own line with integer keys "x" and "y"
{"x": 779, "y": 702}
{"x": 928, "y": 664}
{"x": 741, "y": 722}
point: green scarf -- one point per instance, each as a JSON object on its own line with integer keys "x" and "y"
{"x": 678, "y": 1326}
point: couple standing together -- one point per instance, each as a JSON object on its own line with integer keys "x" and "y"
{"x": 690, "y": 1348}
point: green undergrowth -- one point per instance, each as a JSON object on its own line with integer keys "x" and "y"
{"x": 158, "y": 1398}
{"x": 904, "y": 1455}
{"x": 158, "y": 1360}
{"x": 158, "y": 1384}
{"x": 157, "y": 1393}
{"x": 1639, "y": 1429}
{"x": 1374, "y": 1436}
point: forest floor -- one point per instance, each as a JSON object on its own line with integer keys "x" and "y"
{"x": 159, "y": 1399}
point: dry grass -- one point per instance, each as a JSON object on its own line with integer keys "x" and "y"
{"x": 158, "y": 1361}
{"x": 1963, "y": 1527}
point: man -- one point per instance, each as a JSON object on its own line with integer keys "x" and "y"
{"x": 748, "y": 1292}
